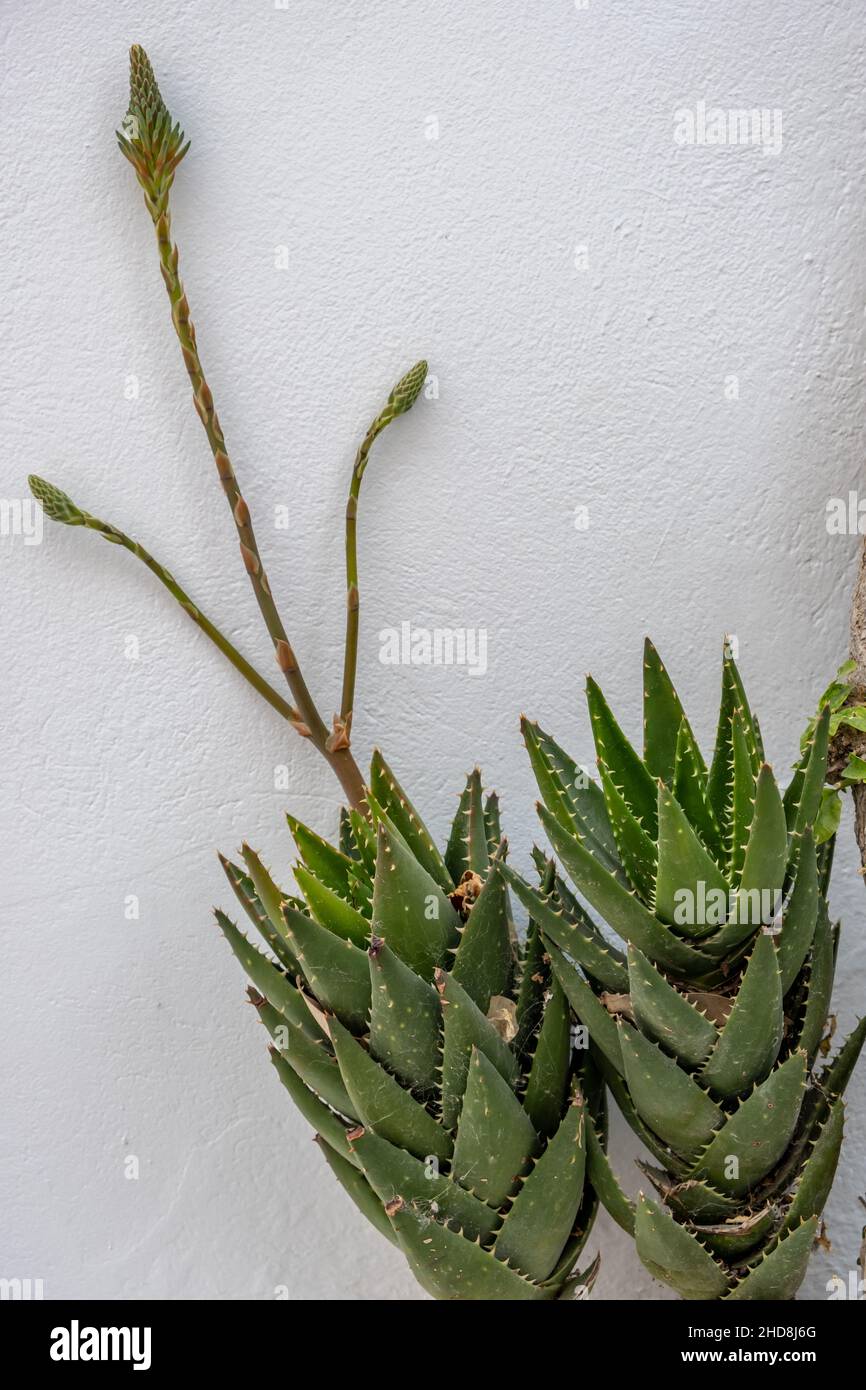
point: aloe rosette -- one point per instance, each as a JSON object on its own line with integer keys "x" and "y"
{"x": 429, "y": 1049}
{"x": 709, "y": 1020}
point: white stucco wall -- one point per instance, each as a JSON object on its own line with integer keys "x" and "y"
{"x": 584, "y": 288}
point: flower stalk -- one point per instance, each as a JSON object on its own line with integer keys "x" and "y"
{"x": 57, "y": 506}
{"x": 401, "y": 399}
{"x": 155, "y": 146}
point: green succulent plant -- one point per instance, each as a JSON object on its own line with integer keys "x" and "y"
{"x": 430, "y": 1049}
{"x": 430, "y": 1046}
{"x": 707, "y": 1023}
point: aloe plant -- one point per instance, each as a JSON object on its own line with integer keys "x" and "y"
{"x": 428, "y": 1047}
{"x": 708, "y": 1021}
{"x": 430, "y": 1050}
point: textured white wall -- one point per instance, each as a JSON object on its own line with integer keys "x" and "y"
{"x": 560, "y": 387}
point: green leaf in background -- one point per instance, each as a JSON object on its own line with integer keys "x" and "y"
{"x": 829, "y": 813}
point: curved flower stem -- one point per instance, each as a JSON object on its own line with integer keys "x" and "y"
{"x": 353, "y": 601}
{"x": 401, "y": 399}
{"x": 166, "y": 578}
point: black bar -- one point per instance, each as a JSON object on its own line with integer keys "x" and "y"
{"x": 224, "y": 1337}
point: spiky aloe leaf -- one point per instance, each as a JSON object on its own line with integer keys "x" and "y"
{"x": 495, "y": 1138}
{"x": 534, "y": 978}
{"x": 808, "y": 793}
{"x": 576, "y": 935}
{"x": 484, "y": 959}
{"x": 336, "y": 971}
{"x": 637, "y": 851}
{"x": 322, "y": 1118}
{"x": 270, "y": 896}
{"x": 352, "y": 1180}
{"x": 468, "y": 850}
{"x": 277, "y": 1024}
{"x": 402, "y": 813}
{"x": 749, "y": 1042}
{"x": 665, "y": 1096}
{"x": 666, "y": 1015}
{"x": 347, "y": 843}
{"x": 835, "y": 1077}
{"x": 683, "y": 864}
{"x": 268, "y": 979}
{"x": 492, "y": 823}
{"x": 540, "y": 1220}
{"x": 339, "y": 916}
{"x": 766, "y": 851}
{"x": 604, "y": 1180}
{"x": 456, "y": 857}
{"x": 589, "y": 1009}
{"x": 329, "y": 865}
{"x": 662, "y": 716}
{"x": 578, "y": 1284}
{"x": 817, "y": 1174}
{"x": 381, "y": 1103}
{"x": 244, "y": 891}
{"x": 752, "y": 1140}
{"x": 405, "y": 1019}
{"x": 733, "y": 707}
{"x": 316, "y": 1066}
{"x": 550, "y": 1068}
{"x": 750, "y": 724}
{"x": 465, "y": 1027}
{"x": 827, "y": 1087}
{"x": 665, "y": 1155}
{"x": 735, "y": 1238}
{"x": 779, "y": 1274}
{"x": 632, "y": 780}
{"x": 819, "y": 987}
{"x": 693, "y": 1201}
{"x": 365, "y": 840}
{"x": 742, "y": 804}
{"x": 393, "y": 1173}
{"x": 691, "y": 791}
{"x": 450, "y": 1266}
{"x": 570, "y": 795}
{"x": 798, "y": 924}
{"x": 675, "y": 1256}
{"x": 409, "y": 908}
{"x": 628, "y": 916}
